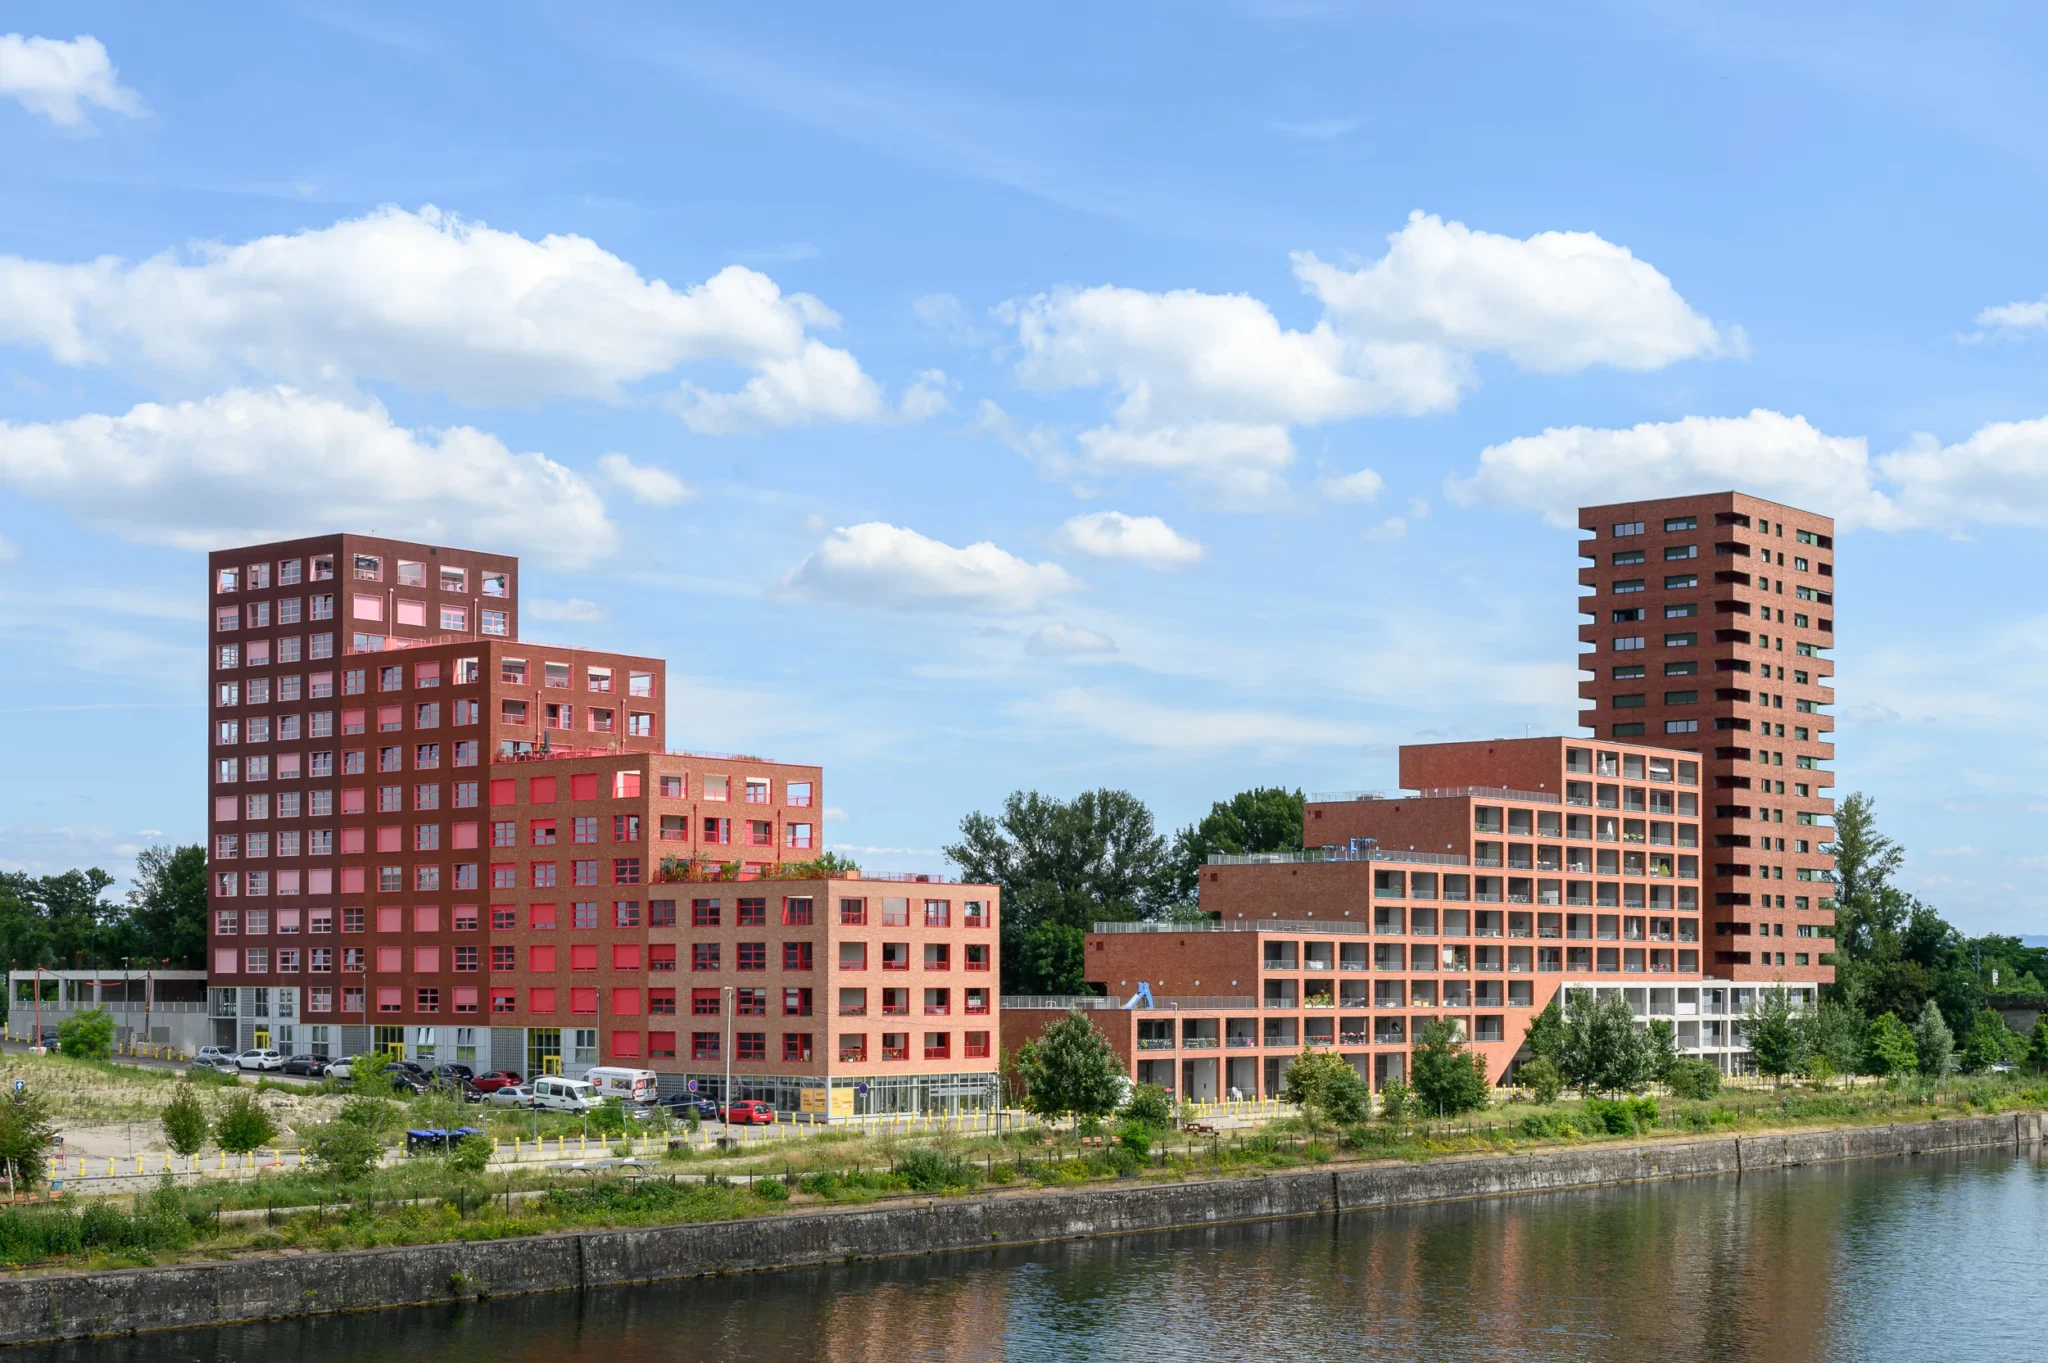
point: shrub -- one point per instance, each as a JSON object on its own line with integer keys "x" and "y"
{"x": 771, "y": 1190}
{"x": 88, "y": 1035}
{"x": 184, "y": 1119}
{"x": 1149, "y": 1106}
{"x": 372, "y": 1114}
{"x": 1394, "y": 1099}
{"x": 470, "y": 1155}
{"x": 1546, "y": 1126}
{"x": 1542, "y": 1079}
{"x": 1620, "y": 1116}
{"x": 343, "y": 1150}
{"x": 934, "y": 1171}
{"x": 1135, "y": 1137}
{"x": 241, "y": 1124}
{"x": 610, "y": 1118}
{"x": 1692, "y": 1077}
{"x": 26, "y": 1134}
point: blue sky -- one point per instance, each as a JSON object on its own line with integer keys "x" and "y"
{"x": 1174, "y": 397}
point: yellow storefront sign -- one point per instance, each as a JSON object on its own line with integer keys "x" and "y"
{"x": 813, "y": 1100}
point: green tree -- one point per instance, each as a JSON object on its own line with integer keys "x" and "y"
{"x": 1934, "y": 1042}
{"x": 1545, "y": 1034}
{"x": 184, "y": 1119}
{"x": 1070, "y": 1070}
{"x": 1449, "y": 1077}
{"x": 1835, "y": 1033}
{"x": 167, "y": 907}
{"x": 26, "y": 1134}
{"x": 2037, "y": 1043}
{"x": 1603, "y": 1051}
{"x": 1694, "y": 1078}
{"x": 1984, "y": 1045}
{"x": 1773, "y": 1035}
{"x": 1660, "y": 1042}
{"x": 1395, "y": 1099}
{"x": 1095, "y": 858}
{"x": 1262, "y": 819}
{"x": 88, "y": 1035}
{"x": 1888, "y": 1047}
{"x": 1327, "y": 1089}
{"x": 1539, "y": 1074}
{"x": 242, "y": 1124}
{"x": 344, "y": 1150}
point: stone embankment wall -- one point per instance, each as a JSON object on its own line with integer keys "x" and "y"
{"x": 73, "y": 1305}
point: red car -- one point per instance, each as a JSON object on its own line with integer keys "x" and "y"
{"x": 749, "y": 1112}
{"x": 495, "y": 1080}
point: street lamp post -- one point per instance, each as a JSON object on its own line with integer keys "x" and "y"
{"x": 725, "y": 1118}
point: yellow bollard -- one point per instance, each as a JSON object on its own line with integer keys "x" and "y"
{"x": 110, "y": 1166}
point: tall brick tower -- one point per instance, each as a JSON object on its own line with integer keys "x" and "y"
{"x": 1710, "y": 621}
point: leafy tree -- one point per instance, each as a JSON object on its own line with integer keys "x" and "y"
{"x": 1984, "y": 1045}
{"x": 1327, "y": 1088}
{"x": 1834, "y": 1032}
{"x": 1775, "y": 1038}
{"x": 1149, "y": 1106}
{"x": 1095, "y": 858}
{"x": 241, "y": 1123}
{"x": 1545, "y": 1034}
{"x": 1888, "y": 1047}
{"x": 1691, "y": 1077}
{"x": 1070, "y": 1070}
{"x": 1603, "y": 1050}
{"x": 2037, "y": 1043}
{"x": 1934, "y": 1042}
{"x": 1660, "y": 1040}
{"x": 88, "y": 1035}
{"x": 1542, "y": 1079}
{"x": 26, "y": 1134}
{"x": 184, "y": 1119}
{"x": 1395, "y": 1098}
{"x": 1449, "y": 1077}
{"x": 344, "y": 1150}
{"x": 167, "y": 907}
{"x": 1262, "y": 819}
{"x": 470, "y": 1155}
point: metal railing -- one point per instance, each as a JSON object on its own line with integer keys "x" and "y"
{"x": 1335, "y": 853}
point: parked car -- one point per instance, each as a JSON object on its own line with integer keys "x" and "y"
{"x": 510, "y": 1095}
{"x": 260, "y": 1058}
{"x": 218, "y": 1064}
{"x": 312, "y": 1066}
{"x": 208, "y": 1054}
{"x": 343, "y": 1068}
{"x": 556, "y": 1094}
{"x": 50, "y": 1039}
{"x": 679, "y": 1105}
{"x": 462, "y": 1072}
{"x": 2002, "y": 1067}
{"x": 493, "y": 1080}
{"x": 749, "y": 1112}
{"x": 406, "y": 1076}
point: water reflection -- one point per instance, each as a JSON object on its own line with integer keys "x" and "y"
{"x": 1911, "y": 1260}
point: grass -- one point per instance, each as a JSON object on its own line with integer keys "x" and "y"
{"x": 422, "y": 1201}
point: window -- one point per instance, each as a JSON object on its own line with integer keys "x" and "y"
{"x": 1626, "y": 528}
{"x": 625, "y": 870}
{"x": 1625, "y": 586}
{"x": 1628, "y": 731}
{"x": 1681, "y": 611}
{"x": 1628, "y": 643}
{"x": 796, "y": 912}
{"x": 626, "y": 913}
{"x": 1681, "y": 726}
{"x": 1681, "y": 640}
{"x": 796, "y": 955}
{"x": 751, "y": 956}
{"x": 853, "y": 913}
{"x": 640, "y": 683}
{"x": 1629, "y": 702}
{"x": 753, "y": 913}
{"x": 583, "y": 914}
{"x": 1624, "y": 617}
{"x": 704, "y": 913}
{"x": 703, "y": 955}
{"x": 493, "y": 622}
{"x": 797, "y": 835}
{"x": 1672, "y": 523}
{"x": 1681, "y": 698}
{"x": 640, "y": 724}
{"x": 1678, "y": 551}
{"x": 715, "y": 830}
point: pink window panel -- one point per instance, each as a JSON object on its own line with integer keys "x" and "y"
{"x": 426, "y": 918}
{"x": 626, "y": 1002}
{"x": 387, "y": 1000}
{"x": 351, "y": 880}
{"x": 426, "y": 960}
{"x": 319, "y": 882}
{"x": 426, "y": 674}
{"x": 387, "y": 838}
{"x": 369, "y": 607}
{"x": 352, "y": 800}
{"x": 465, "y": 998}
{"x": 224, "y": 960}
{"x": 226, "y": 807}
{"x": 390, "y": 960}
{"x": 259, "y": 652}
{"x": 389, "y": 919}
{"x": 583, "y": 1001}
{"x": 464, "y": 835}
{"x": 412, "y": 613}
{"x": 287, "y": 920}
{"x": 351, "y": 842}
{"x": 625, "y": 1045}
{"x": 288, "y": 766}
{"x": 287, "y": 882}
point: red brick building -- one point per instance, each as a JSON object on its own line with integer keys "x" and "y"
{"x": 1711, "y": 628}
{"x": 431, "y": 837}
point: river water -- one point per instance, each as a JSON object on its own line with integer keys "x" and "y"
{"x": 1931, "y": 1258}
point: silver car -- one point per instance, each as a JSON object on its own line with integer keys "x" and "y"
{"x": 261, "y": 1058}
{"x": 512, "y": 1095}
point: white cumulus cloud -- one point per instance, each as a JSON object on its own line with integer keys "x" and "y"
{"x": 1998, "y": 475}
{"x": 431, "y": 301}
{"x": 256, "y": 464}
{"x": 1210, "y": 386}
{"x": 575, "y": 611}
{"x": 877, "y": 564}
{"x": 644, "y": 483}
{"x": 1058, "y": 640}
{"x": 1145, "y": 540}
{"x": 58, "y": 80}
{"x": 1362, "y": 486}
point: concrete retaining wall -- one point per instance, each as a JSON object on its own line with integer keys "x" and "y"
{"x": 64, "y": 1306}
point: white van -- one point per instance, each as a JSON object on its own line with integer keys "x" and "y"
{"x": 628, "y": 1086}
{"x": 551, "y": 1093}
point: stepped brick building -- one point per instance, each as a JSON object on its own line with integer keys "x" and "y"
{"x": 430, "y": 837}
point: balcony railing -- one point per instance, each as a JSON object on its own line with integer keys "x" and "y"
{"x": 1155, "y": 1043}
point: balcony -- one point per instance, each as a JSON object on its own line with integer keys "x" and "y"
{"x": 895, "y": 1053}
{"x": 1198, "y": 1043}
{"x": 936, "y": 1010}
{"x": 1241, "y": 1042}
{"x": 1156, "y": 1043}
{"x": 858, "y": 1010}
